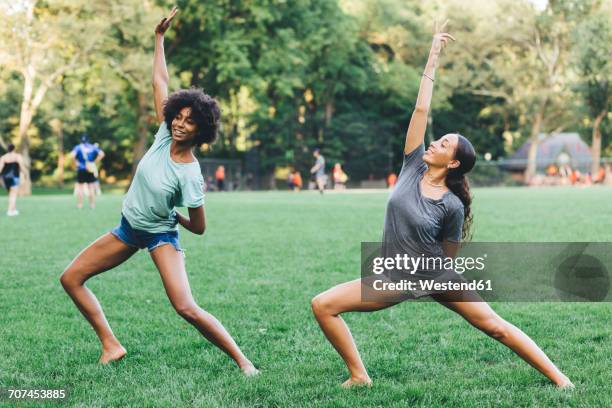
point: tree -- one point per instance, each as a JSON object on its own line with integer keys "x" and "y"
{"x": 592, "y": 55}
{"x": 42, "y": 42}
{"x": 525, "y": 66}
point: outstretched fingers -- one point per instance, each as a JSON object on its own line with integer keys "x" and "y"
{"x": 172, "y": 14}
{"x": 164, "y": 23}
{"x": 441, "y": 28}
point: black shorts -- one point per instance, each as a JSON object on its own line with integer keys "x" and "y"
{"x": 84, "y": 176}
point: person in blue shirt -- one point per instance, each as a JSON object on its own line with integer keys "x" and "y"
{"x": 168, "y": 176}
{"x": 86, "y": 157}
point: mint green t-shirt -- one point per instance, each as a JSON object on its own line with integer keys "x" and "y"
{"x": 160, "y": 185}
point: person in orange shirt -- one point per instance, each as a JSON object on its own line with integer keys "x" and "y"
{"x": 297, "y": 181}
{"x": 391, "y": 180}
{"x": 574, "y": 176}
{"x": 220, "y": 177}
{"x": 601, "y": 175}
{"x": 340, "y": 177}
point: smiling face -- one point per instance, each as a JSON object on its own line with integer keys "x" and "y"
{"x": 184, "y": 128}
{"x": 441, "y": 152}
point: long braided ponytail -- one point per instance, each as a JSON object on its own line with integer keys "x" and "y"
{"x": 457, "y": 181}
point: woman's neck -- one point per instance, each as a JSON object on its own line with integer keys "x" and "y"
{"x": 436, "y": 176}
{"x": 181, "y": 153}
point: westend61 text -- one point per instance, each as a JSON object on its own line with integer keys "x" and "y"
{"x": 429, "y": 284}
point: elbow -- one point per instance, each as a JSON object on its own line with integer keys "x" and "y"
{"x": 199, "y": 230}
{"x": 421, "y": 109}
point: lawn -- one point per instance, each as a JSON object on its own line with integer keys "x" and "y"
{"x": 262, "y": 259}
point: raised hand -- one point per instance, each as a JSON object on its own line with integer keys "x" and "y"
{"x": 164, "y": 24}
{"x": 440, "y": 37}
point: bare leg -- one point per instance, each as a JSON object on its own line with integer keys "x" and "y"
{"x": 171, "y": 267}
{"x": 80, "y": 187}
{"x": 92, "y": 195}
{"x": 12, "y": 199}
{"x": 103, "y": 254}
{"x": 327, "y": 307}
{"x": 320, "y": 184}
{"x": 480, "y": 315}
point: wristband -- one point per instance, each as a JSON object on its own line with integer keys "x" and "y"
{"x": 427, "y": 76}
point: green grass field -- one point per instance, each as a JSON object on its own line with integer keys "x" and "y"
{"x": 262, "y": 259}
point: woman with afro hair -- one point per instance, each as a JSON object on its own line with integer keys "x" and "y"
{"x": 168, "y": 176}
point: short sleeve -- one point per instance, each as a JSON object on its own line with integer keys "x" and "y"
{"x": 453, "y": 225}
{"x": 163, "y": 132}
{"x": 413, "y": 161}
{"x": 192, "y": 191}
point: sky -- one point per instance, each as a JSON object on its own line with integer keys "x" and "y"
{"x": 539, "y": 4}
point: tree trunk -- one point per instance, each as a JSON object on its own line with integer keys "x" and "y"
{"x": 596, "y": 144}
{"x": 140, "y": 147}
{"x": 30, "y": 103}
{"x": 25, "y": 186}
{"x": 60, "y": 154}
{"x": 329, "y": 114}
{"x": 530, "y": 171}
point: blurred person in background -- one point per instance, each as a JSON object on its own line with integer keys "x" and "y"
{"x": 318, "y": 170}
{"x": 11, "y": 167}
{"x": 297, "y": 181}
{"x": 85, "y": 157}
{"x": 220, "y": 177}
{"x": 391, "y": 180}
{"x": 340, "y": 177}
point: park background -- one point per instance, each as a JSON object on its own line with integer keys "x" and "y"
{"x": 291, "y": 76}
{"x": 294, "y": 75}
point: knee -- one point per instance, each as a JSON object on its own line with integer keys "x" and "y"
{"x": 321, "y": 305}
{"x": 188, "y": 310}
{"x": 495, "y": 327}
{"x": 68, "y": 278}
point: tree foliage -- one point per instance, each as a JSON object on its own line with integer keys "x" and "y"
{"x": 293, "y": 75}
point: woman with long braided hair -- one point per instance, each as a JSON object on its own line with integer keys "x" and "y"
{"x": 428, "y": 211}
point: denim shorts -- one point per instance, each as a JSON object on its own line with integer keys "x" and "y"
{"x": 10, "y": 182}
{"x": 143, "y": 239}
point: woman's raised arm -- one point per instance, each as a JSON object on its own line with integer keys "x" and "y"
{"x": 418, "y": 122}
{"x": 160, "y": 71}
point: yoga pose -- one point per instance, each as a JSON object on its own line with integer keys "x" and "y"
{"x": 168, "y": 176}
{"x": 429, "y": 206}
{"x": 11, "y": 166}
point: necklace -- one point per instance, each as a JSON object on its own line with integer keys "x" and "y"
{"x": 432, "y": 184}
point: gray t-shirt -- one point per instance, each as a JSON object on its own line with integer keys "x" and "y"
{"x": 321, "y": 163}
{"x": 415, "y": 224}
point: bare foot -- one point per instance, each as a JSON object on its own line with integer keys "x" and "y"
{"x": 249, "y": 370}
{"x": 114, "y": 354}
{"x": 357, "y": 382}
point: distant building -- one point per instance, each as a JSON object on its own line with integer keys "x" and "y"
{"x": 559, "y": 149}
